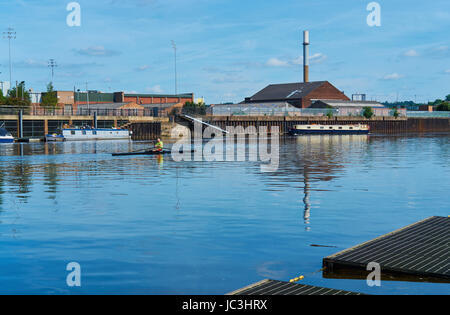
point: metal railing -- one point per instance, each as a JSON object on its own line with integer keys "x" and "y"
{"x": 421, "y": 114}
{"x": 243, "y": 110}
{"x": 39, "y": 111}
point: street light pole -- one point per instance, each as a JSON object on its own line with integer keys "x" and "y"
{"x": 52, "y": 64}
{"x": 10, "y": 34}
{"x": 174, "y": 46}
{"x": 87, "y": 96}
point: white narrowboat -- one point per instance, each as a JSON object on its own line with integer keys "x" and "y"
{"x": 330, "y": 130}
{"x": 89, "y": 134}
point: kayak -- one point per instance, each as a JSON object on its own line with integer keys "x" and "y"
{"x": 149, "y": 152}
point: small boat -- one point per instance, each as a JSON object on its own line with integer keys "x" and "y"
{"x": 330, "y": 130}
{"x": 5, "y": 136}
{"x": 55, "y": 138}
{"x": 150, "y": 152}
{"x": 88, "y": 133}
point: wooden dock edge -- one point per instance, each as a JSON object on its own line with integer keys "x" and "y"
{"x": 251, "y": 286}
{"x": 328, "y": 263}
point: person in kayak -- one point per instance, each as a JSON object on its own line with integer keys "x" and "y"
{"x": 159, "y": 146}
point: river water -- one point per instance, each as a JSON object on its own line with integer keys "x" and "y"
{"x": 150, "y": 225}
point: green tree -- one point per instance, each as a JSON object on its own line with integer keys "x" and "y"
{"x": 447, "y": 98}
{"x": 395, "y": 113}
{"x": 49, "y": 99}
{"x": 443, "y": 107}
{"x": 368, "y": 112}
{"x": 20, "y": 92}
{"x": 2, "y": 98}
{"x": 191, "y": 108}
{"x": 330, "y": 114}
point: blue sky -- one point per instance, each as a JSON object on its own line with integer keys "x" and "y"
{"x": 229, "y": 49}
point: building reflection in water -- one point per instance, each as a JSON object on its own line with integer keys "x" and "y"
{"x": 306, "y": 202}
{"x": 322, "y": 157}
{"x": 311, "y": 160}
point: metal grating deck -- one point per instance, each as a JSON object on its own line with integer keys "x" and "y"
{"x": 421, "y": 249}
{"x": 273, "y": 287}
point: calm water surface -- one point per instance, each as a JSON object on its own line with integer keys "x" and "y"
{"x": 154, "y": 226}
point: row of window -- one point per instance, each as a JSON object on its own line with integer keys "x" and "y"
{"x": 94, "y": 132}
{"x": 351, "y": 128}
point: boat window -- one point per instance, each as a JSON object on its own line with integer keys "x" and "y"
{"x": 4, "y": 132}
{"x": 72, "y": 132}
{"x": 94, "y": 132}
{"x": 340, "y": 127}
{"x": 322, "y": 127}
{"x": 351, "y": 127}
{"x": 84, "y": 132}
{"x": 309, "y": 127}
{"x": 331, "y": 127}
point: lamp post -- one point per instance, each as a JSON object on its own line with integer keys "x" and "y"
{"x": 10, "y": 34}
{"x": 174, "y": 46}
{"x": 52, "y": 64}
{"x": 87, "y": 97}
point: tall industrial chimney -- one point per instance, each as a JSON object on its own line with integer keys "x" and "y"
{"x": 306, "y": 56}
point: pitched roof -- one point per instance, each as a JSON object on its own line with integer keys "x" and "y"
{"x": 286, "y": 91}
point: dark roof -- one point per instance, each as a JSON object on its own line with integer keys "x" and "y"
{"x": 260, "y": 105}
{"x": 286, "y": 91}
{"x": 184, "y": 95}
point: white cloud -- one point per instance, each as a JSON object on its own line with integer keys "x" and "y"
{"x": 317, "y": 58}
{"x": 155, "y": 89}
{"x": 143, "y": 68}
{"x": 392, "y": 76}
{"x": 275, "y": 62}
{"x": 411, "y": 53}
{"x": 97, "y": 51}
{"x": 313, "y": 59}
{"x": 447, "y": 71}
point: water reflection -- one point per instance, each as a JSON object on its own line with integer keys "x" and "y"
{"x": 223, "y": 220}
{"x": 51, "y": 179}
{"x": 308, "y": 160}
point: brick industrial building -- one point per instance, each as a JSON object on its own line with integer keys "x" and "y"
{"x": 300, "y": 95}
{"x": 71, "y": 101}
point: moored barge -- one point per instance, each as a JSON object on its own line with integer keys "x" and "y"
{"x": 330, "y": 130}
{"x": 88, "y": 134}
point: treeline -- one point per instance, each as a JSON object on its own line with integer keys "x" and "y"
{"x": 191, "y": 108}
{"x": 17, "y": 96}
{"x": 439, "y": 104}
{"x": 20, "y": 98}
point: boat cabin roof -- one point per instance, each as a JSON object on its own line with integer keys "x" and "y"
{"x": 4, "y": 132}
